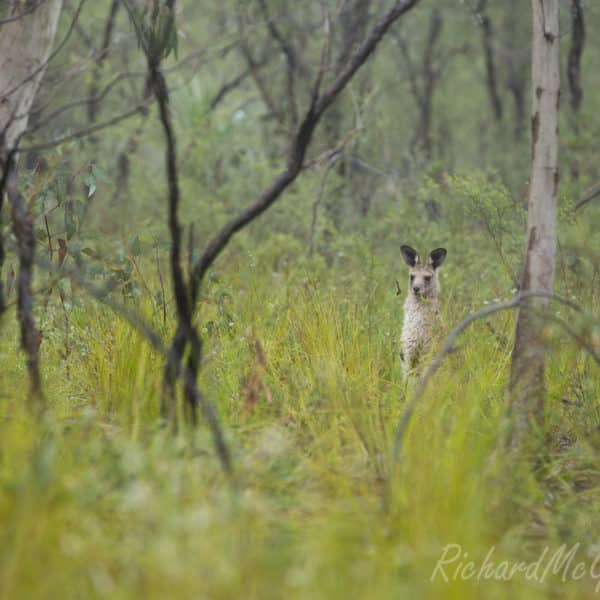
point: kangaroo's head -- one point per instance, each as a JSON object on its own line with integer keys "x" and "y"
{"x": 423, "y": 282}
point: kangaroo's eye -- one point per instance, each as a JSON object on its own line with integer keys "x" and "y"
{"x": 427, "y": 278}
{"x": 412, "y": 277}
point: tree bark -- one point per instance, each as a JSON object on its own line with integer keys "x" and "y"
{"x": 94, "y": 104}
{"x": 574, "y": 72}
{"x": 527, "y": 369}
{"x": 516, "y": 71}
{"x": 25, "y": 46}
{"x": 428, "y": 85}
{"x": 575, "y": 52}
{"x": 487, "y": 38}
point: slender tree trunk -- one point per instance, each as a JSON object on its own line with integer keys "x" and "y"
{"x": 516, "y": 70}
{"x": 575, "y": 52}
{"x": 93, "y": 104}
{"x": 430, "y": 76}
{"x": 25, "y": 46}
{"x": 574, "y": 71}
{"x": 487, "y": 38}
{"x": 527, "y": 369}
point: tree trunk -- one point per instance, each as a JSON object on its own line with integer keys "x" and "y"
{"x": 575, "y": 52}
{"x": 574, "y": 72}
{"x": 487, "y": 37}
{"x": 516, "y": 69}
{"x": 25, "y": 46}
{"x": 429, "y": 80}
{"x": 527, "y": 369}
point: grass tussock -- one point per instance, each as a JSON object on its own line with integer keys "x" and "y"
{"x": 97, "y": 501}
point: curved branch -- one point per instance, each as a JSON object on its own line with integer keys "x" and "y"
{"x": 296, "y": 152}
{"x": 84, "y": 132}
{"x": 300, "y": 141}
{"x": 154, "y": 339}
{"x": 592, "y": 193}
{"x": 514, "y": 302}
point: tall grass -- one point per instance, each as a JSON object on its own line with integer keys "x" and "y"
{"x": 96, "y": 500}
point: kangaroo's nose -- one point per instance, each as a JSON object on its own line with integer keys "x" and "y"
{"x": 416, "y": 289}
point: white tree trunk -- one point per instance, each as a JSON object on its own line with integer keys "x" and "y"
{"x": 527, "y": 371}
{"x": 25, "y": 46}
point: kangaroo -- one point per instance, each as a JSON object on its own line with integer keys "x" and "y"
{"x": 421, "y": 308}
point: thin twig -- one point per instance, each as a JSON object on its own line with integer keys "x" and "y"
{"x": 85, "y": 132}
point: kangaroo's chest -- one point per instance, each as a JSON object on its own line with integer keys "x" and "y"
{"x": 418, "y": 323}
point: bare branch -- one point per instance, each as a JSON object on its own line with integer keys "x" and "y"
{"x": 592, "y": 193}
{"x": 300, "y": 142}
{"x": 296, "y": 153}
{"x": 157, "y": 84}
{"x": 228, "y": 87}
{"x": 75, "y": 103}
{"x": 84, "y": 132}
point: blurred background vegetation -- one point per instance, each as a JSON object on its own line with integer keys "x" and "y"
{"x": 300, "y": 315}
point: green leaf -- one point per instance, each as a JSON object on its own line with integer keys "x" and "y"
{"x": 90, "y": 183}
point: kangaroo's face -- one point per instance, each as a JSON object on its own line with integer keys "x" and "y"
{"x": 422, "y": 276}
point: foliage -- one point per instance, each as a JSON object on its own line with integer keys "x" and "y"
{"x": 300, "y": 348}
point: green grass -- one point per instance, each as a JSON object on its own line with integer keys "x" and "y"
{"x": 97, "y": 501}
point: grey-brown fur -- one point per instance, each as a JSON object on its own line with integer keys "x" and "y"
{"x": 421, "y": 308}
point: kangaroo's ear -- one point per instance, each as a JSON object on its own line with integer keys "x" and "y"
{"x": 437, "y": 256}
{"x": 410, "y": 256}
